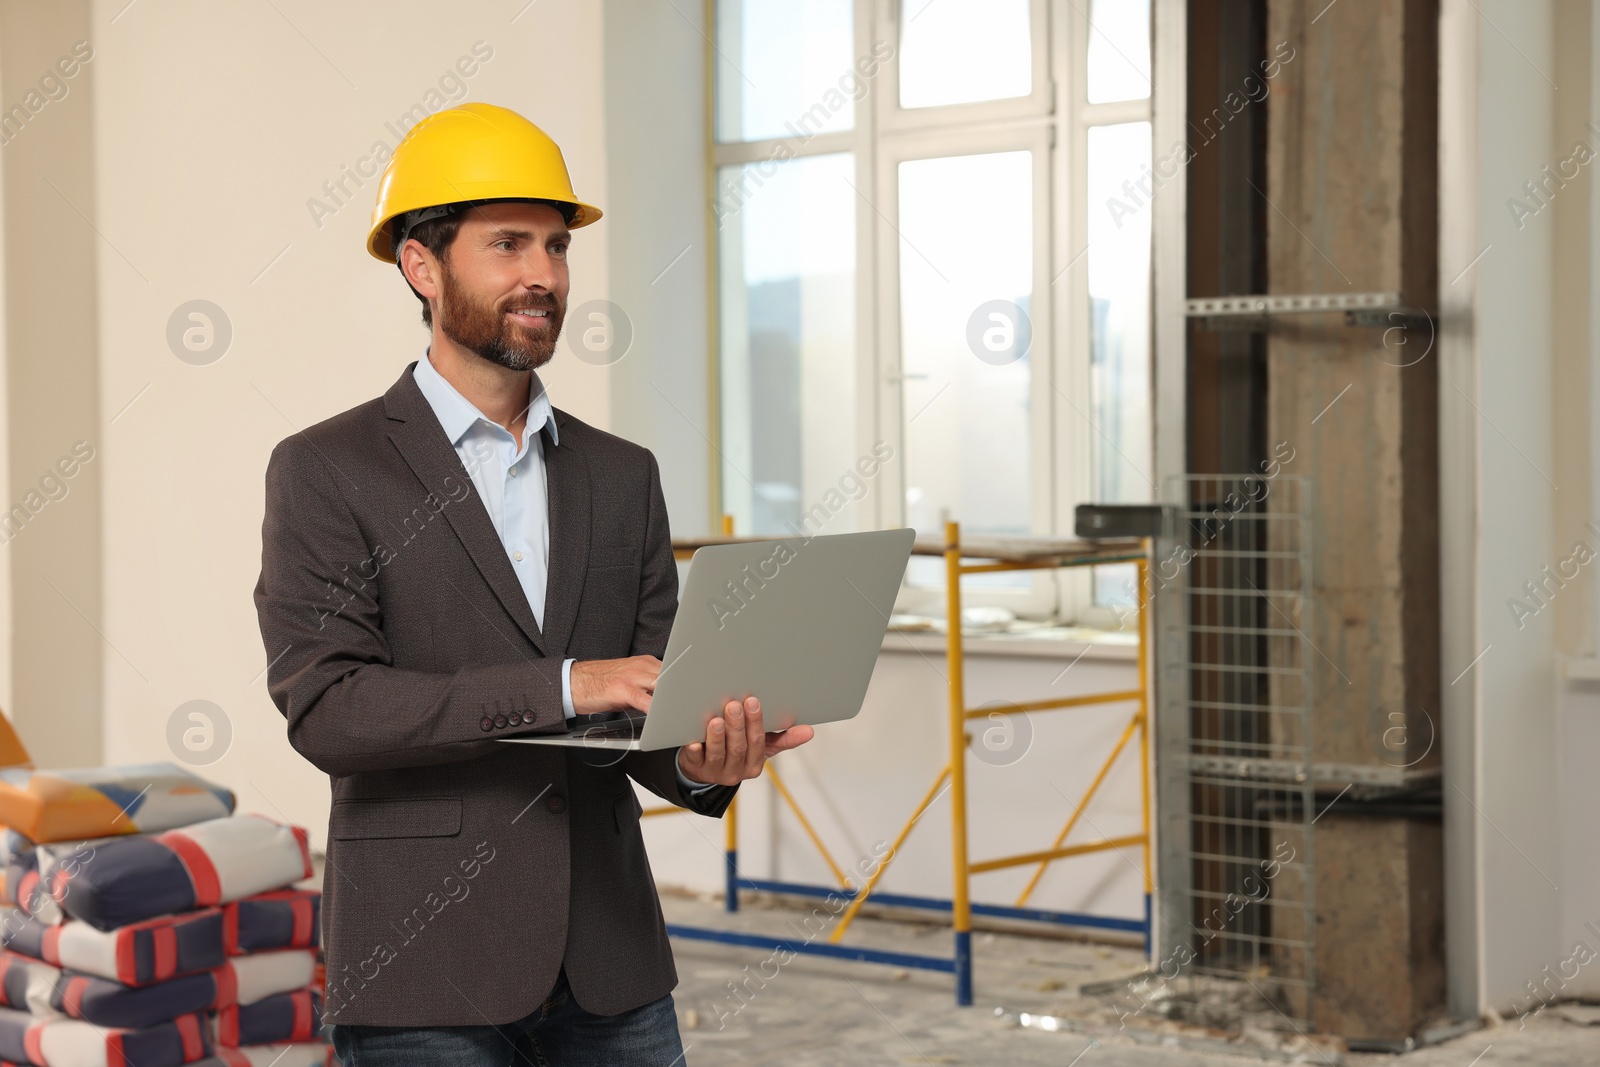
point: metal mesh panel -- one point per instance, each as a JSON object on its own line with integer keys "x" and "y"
{"x": 1233, "y": 591}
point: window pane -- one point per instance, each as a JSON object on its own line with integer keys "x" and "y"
{"x": 961, "y": 51}
{"x": 1119, "y": 50}
{"x": 1119, "y": 310}
{"x": 784, "y": 69}
{"x": 966, "y": 284}
{"x": 787, "y": 249}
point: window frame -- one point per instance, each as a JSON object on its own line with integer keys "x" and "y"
{"x": 1052, "y": 122}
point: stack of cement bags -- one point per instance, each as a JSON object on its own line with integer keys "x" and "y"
{"x": 152, "y": 926}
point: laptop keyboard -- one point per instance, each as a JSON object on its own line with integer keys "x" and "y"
{"x": 608, "y": 725}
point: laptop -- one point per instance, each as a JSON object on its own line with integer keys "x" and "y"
{"x": 796, "y": 622}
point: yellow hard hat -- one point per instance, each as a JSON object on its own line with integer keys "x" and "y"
{"x": 470, "y": 154}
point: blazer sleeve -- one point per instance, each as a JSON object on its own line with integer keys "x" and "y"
{"x": 331, "y": 674}
{"x": 658, "y": 605}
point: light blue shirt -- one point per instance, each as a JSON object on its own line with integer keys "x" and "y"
{"x": 509, "y": 476}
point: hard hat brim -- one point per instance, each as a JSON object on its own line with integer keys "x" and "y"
{"x": 380, "y": 241}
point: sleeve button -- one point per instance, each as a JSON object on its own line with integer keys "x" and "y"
{"x": 486, "y": 723}
{"x": 499, "y": 720}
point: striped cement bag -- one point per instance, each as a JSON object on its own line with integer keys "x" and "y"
{"x": 27, "y": 984}
{"x": 284, "y": 1018}
{"x": 55, "y": 1042}
{"x": 248, "y": 979}
{"x": 45, "y": 990}
{"x": 130, "y": 879}
{"x": 28, "y": 888}
{"x": 137, "y": 954}
{"x": 282, "y": 918}
{"x": 106, "y": 1003}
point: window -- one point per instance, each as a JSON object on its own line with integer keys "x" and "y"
{"x": 933, "y": 237}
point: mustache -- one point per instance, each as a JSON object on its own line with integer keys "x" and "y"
{"x": 546, "y": 302}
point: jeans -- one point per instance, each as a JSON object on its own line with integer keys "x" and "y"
{"x": 558, "y": 1034}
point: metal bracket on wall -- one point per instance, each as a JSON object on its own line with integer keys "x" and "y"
{"x": 1224, "y": 769}
{"x": 1253, "y": 314}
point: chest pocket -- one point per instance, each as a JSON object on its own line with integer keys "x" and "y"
{"x": 602, "y": 557}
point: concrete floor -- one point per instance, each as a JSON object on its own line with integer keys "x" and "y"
{"x": 818, "y": 1012}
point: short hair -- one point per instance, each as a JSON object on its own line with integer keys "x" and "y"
{"x": 438, "y": 234}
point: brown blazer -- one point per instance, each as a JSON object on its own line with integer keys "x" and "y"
{"x": 463, "y": 873}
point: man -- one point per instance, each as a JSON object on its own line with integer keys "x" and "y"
{"x": 456, "y": 562}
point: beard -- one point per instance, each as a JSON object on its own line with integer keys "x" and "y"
{"x": 486, "y": 329}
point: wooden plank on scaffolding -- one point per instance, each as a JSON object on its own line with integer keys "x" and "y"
{"x": 1041, "y": 550}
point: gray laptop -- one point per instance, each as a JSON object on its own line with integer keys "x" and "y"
{"x": 795, "y": 622}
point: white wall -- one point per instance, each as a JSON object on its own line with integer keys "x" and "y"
{"x": 1577, "y": 402}
{"x": 1579, "y": 876}
{"x": 215, "y": 123}
{"x": 1519, "y": 786}
{"x": 657, "y": 191}
{"x": 55, "y": 524}
{"x": 6, "y": 616}
{"x": 1518, "y": 843}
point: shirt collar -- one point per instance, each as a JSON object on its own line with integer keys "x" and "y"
{"x": 457, "y": 414}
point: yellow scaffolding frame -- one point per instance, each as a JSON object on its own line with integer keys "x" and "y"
{"x": 1008, "y": 554}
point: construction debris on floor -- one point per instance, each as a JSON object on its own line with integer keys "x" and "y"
{"x": 1038, "y": 1000}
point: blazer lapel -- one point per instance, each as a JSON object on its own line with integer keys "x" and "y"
{"x": 567, "y": 485}
{"x": 422, "y": 442}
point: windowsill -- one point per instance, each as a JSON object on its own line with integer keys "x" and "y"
{"x": 1584, "y": 669}
{"x": 1059, "y": 642}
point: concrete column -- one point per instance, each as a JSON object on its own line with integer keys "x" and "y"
{"x": 1352, "y": 186}
{"x": 51, "y": 532}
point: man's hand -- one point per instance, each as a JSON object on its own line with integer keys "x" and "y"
{"x": 613, "y": 684}
{"x": 736, "y": 747}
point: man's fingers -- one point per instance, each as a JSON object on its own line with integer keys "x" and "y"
{"x": 755, "y": 736}
{"x": 738, "y": 743}
{"x": 649, "y": 671}
{"x": 784, "y": 740}
{"x": 716, "y": 746}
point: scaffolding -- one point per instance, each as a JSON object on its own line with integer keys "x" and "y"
{"x": 994, "y": 555}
